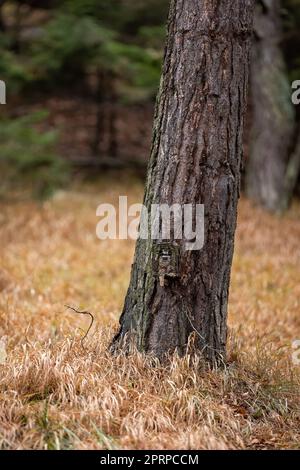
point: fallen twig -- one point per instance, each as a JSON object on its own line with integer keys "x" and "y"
{"x": 83, "y": 312}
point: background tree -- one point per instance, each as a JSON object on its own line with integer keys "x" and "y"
{"x": 271, "y": 170}
{"x": 195, "y": 158}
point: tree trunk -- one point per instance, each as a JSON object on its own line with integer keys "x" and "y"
{"x": 112, "y": 123}
{"x": 292, "y": 174}
{"x": 273, "y": 113}
{"x": 2, "y": 23}
{"x": 195, "y": 159}
{"x": 100, "y": 116}
{"x": 106, "y": 116}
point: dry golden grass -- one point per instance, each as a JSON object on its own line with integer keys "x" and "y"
{"x": 56, "y": 395}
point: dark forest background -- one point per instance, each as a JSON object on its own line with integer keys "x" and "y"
{"x": 81, "y": 77}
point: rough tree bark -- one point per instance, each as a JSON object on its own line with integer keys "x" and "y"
{"x": 195, "y": 158}
{"x": 2, "y": 23}
{"x": 273, "y": 113}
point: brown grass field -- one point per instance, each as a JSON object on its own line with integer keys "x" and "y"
{"x": 55, "y": 394}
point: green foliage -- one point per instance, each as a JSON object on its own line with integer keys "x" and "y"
{"x": 26, "y": 153}
{"x": 110, "y": 12}
{"x": 122, "y": 38}
{"x": 138, "y": 69}
{"x": 68, "y": 45}
{"x": 124, "y": 16}
{"x": 14, "y": 69}
{"x": 152, "y": 36}
{"x": 71, "y": 46}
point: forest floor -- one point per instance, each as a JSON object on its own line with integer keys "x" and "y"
{"x": 56, "y": 393}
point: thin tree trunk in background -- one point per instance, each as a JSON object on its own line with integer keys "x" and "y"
{"x": 292, "y": 174}
{"x": 196, "y": 158}
{"x": 106, "y": 116}
{"x": 100, "y": 116}
{"x": 273, "y": 113}
{"x": 112, "y": 123}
